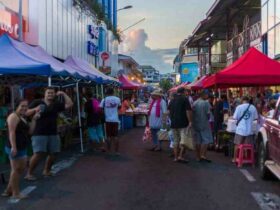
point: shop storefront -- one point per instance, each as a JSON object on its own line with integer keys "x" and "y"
{"x": 271, "y": 27}
{"x": 61, "y": 27}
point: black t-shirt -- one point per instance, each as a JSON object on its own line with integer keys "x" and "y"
{"x": 178, "y": 108}
{"x": 93, "y": 117}
{"x": 46, "y": 124}
{"x": 22, "y": 135}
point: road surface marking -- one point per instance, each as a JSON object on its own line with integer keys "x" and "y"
{"x": 63, "y": 164}
{"x": 248, "y": 176}
{"x": 24, "y": 192}
{"x": 267, "y": 201}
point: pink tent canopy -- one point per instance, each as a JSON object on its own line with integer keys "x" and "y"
{"x": 127, "y": 84}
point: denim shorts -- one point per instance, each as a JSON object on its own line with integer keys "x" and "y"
{"x": 20, "y": 154}
{"x": 96, "y": 133}
{"x": 49, "y": 144}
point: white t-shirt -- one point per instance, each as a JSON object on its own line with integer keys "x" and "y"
{"x": 245, "y": 126}
{"x": 154, "y": 121}
{"x": 111, "y": 107}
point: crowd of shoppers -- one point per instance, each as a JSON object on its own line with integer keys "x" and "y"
{"x": 206, "y": 114}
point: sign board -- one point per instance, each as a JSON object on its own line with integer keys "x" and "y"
{"x": 105, "y": 56}
{"x": 93, "y": 31}
{"x": 92, "y": 49}
{"x": 189, "y": 72}
{"x": 105, "y": 70}
{"x": 9, "y": 23}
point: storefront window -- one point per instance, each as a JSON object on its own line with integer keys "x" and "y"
{"x": 277, "y": 40}
{"x": 271, "y": 43}
{"x": 277, "y": 16}
{"x": 271, "y": 14}
{"x": 264, "y": 19}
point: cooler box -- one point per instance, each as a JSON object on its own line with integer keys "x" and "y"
{"x": 128, "y": 122}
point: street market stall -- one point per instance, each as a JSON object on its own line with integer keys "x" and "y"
{"x": 252, "y": 69}
{"x": 198, "y": 84}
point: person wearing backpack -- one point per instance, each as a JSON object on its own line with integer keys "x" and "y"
{"x": 245, "y": 114}
{"x": 94, "y": 122}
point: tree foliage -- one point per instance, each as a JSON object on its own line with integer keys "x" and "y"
{"x": 165, "y": 85}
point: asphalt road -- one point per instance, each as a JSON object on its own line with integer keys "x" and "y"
{"x": 144, "y": 180}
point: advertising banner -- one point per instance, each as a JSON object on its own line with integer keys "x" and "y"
{"x": 189, "y": 72}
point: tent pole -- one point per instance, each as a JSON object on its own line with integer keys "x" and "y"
{"x": 96, "y": 91}
{"x": 12, "y": 97}
{"x": 49, "y": 81}
{"x": 102, "y": 91}
{"x": 79, "y": 117}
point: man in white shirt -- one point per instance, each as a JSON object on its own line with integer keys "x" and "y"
{"x": 110, "y": 105}
{"x": 245, "y": 114}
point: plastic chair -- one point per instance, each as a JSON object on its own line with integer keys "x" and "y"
{"x": 245, "y": 154}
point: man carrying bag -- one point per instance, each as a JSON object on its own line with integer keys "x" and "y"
{"x": 245, "y": 114}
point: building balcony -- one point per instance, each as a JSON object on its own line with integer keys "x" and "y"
{"x": 218, "y": 62}
{"x": 239, "y": 44}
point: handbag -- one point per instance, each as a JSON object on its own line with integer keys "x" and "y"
{"x": 163, "y": 135}
{"x": 189, "y": 139}
{"x": 147, "y": 134}
{"x": 243, "y": 115}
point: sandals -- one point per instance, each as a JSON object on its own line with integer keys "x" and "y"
{"x": 30, "y": 178}
{"x": 19, "y": 197}
{"x": 6, "y": 193}
{"x": 205, "y": 160}
{"x": 49, "y": 174}
{"x": 182, "y": 160}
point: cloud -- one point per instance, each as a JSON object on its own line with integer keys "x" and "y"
{"x": 134, "y": 45}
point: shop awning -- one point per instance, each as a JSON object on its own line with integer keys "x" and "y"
{"x": 13, "y": 62}
{"x": 252, "y": 69}
{"x": 198, "y": 84}
{"x": 174, "y": 89}
{"x": 39, "y": 54}
{"x": 126, "y": 84}
{"x": 85, "y": 67}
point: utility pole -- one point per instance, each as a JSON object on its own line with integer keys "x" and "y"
{"x": 20, "y": 21}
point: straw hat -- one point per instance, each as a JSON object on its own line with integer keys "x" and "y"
{"x": 157, "y": 93}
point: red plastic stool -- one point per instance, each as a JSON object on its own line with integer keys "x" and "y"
{"x": 245, "y": 154}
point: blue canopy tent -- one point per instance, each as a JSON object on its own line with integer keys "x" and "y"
{"x": 84, "y": 66}
{"x": 13, "y": 62}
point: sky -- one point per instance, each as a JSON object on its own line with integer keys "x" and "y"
{"x": 156, "y": 40}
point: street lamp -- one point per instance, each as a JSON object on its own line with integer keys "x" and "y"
{"x": 126, "y": 7}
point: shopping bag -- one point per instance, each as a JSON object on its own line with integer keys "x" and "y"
{"x": 163, "y": 135}
{"x": 147, "y": 134}
{"x": 189, "y": 139}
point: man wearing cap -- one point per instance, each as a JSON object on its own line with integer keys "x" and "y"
{"x": 180, "y": 115}
{"x": 201, "y": 127}
{"x": 157, "y": 110}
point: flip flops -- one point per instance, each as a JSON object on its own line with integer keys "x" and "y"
{"x": 6, "y": 193}
{"x": 205, "y": 160}
{"x": 30, "y": 178}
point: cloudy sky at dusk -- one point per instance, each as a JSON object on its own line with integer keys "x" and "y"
{"x": 156, "y": 40}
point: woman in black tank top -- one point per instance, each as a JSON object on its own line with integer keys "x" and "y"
{"x": 16, "y": 146}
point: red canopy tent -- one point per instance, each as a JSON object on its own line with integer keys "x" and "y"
{"x": 198, "y": 84}
{"x": 174, "y": 89}
{"x": 252, "y": 69}
{"x": 126, "y": 84}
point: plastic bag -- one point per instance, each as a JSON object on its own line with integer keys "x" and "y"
{"x": 147, "y": 134}
{"x": 189, "y": 139}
